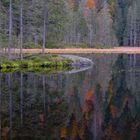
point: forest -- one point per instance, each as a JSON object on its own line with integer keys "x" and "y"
{"x": 63, "y": 96}
{"x": 69, "y": 23}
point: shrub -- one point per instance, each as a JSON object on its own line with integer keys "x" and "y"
{"x": 31, "y": 45}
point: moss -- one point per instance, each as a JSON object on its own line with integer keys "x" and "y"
{"x": 35, "y": 63}
{"x": 14, "y": 64}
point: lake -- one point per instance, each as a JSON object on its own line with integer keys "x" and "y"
{"x": 98, "y": 103}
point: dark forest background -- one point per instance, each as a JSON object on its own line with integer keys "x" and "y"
{"x": 69, "y": 23}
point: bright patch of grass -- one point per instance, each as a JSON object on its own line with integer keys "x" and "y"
{"x": 35, "y": 62}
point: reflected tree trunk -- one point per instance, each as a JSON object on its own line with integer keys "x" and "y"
{"x": 44, "y": 94}
{"x": 10, "y": 104}
{"x": 66, "y": 88}
{"x": 44, "y": 100}
{"x": 0, "y": 110}
{"x": 21, "y": 100}
{"x": 95, "y": 118}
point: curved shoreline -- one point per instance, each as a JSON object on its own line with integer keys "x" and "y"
{"x": 78, "y": 61}
{"x": 79, "y": 64}
{"x": 35, "y": 63}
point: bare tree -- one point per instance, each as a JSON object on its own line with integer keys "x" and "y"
{"x": 0, "y": 109}
{"x": 45, "y": 26}
{"x": 10, "y": 29}
{"x": 21, "y": 29}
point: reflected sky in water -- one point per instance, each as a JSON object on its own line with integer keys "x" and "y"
{"x": 101, "y": 103}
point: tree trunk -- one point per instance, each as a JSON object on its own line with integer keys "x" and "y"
{"x": 21, "y": 29}
{"x": 0, "y": 108}
{"x": 21, "y": 99}
{"x": 45, "y": 27}
{"x": 10, "y": 30}
{"x": 10, "y": 105}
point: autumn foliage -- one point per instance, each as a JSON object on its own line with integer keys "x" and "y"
{"x": 63, "y": 132}
{"x": 89, "y": 95}
{"x": 113, "y": 111}
{"x": 91, "y": 4}
{"x": 74, "y": 131}
{"x": 88, "y": 101}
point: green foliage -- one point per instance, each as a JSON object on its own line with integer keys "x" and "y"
{"x": 120, "y": 20}
{"x": 112, "y": 4}
{"x": 73, "y": 25}
{"x": 51, "y": 44}
{"x": 35, "y": 62}
{"x": 102, "y": 46}
{"x": 31, "y": 45}
{"x": 56, "y": 20}
{"x": 5, "y": 3}
{"x": 3, "y": 41}
{"x": 77, "y": 45}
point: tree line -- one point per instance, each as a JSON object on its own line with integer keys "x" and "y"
{"x": 47, "y": 24}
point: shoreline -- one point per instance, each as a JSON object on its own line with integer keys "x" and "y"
{"x": 36, "y": 63}
{"x": 115, "y": 50}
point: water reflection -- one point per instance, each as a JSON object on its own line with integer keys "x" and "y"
{"x": 101, "y": 103}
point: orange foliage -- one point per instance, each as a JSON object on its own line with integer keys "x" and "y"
{"x": 63, "y": 132}
{"x": 110, "y": 91}
{"x": 89, "y": 96}
{"x": 91, "y": 4}
{"x": 86, "y": 107}
{"x": 113, "y": 111}
{"x": 88, "y": 101}
{"x": 74, "y": 129}
{"x": 82, "y": 134}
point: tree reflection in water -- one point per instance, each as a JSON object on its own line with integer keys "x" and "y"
{"x": 72, "y": 107}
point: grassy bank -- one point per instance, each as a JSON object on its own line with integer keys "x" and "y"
{"x": 35, "y": 63}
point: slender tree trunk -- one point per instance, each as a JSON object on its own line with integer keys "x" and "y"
{"x": 44, "y": 94}
{"x": 90, "y": 35}
{"x": 10, "y": 30}
{"x": 45, "y": 27}
{"x": 10, "y": 104}
{"x": 0, "y": 109}
{"x": 21, "y": 100}
{"x": 0, "y": 34}
{"x": 135, "y": 26}
{"x": 21, "y": 29}
{"x": 131, "y": 31}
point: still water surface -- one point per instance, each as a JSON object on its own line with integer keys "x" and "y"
{"x": 100, "y": 103}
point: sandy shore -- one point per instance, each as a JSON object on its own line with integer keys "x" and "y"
{"x": 115, "y": 50}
